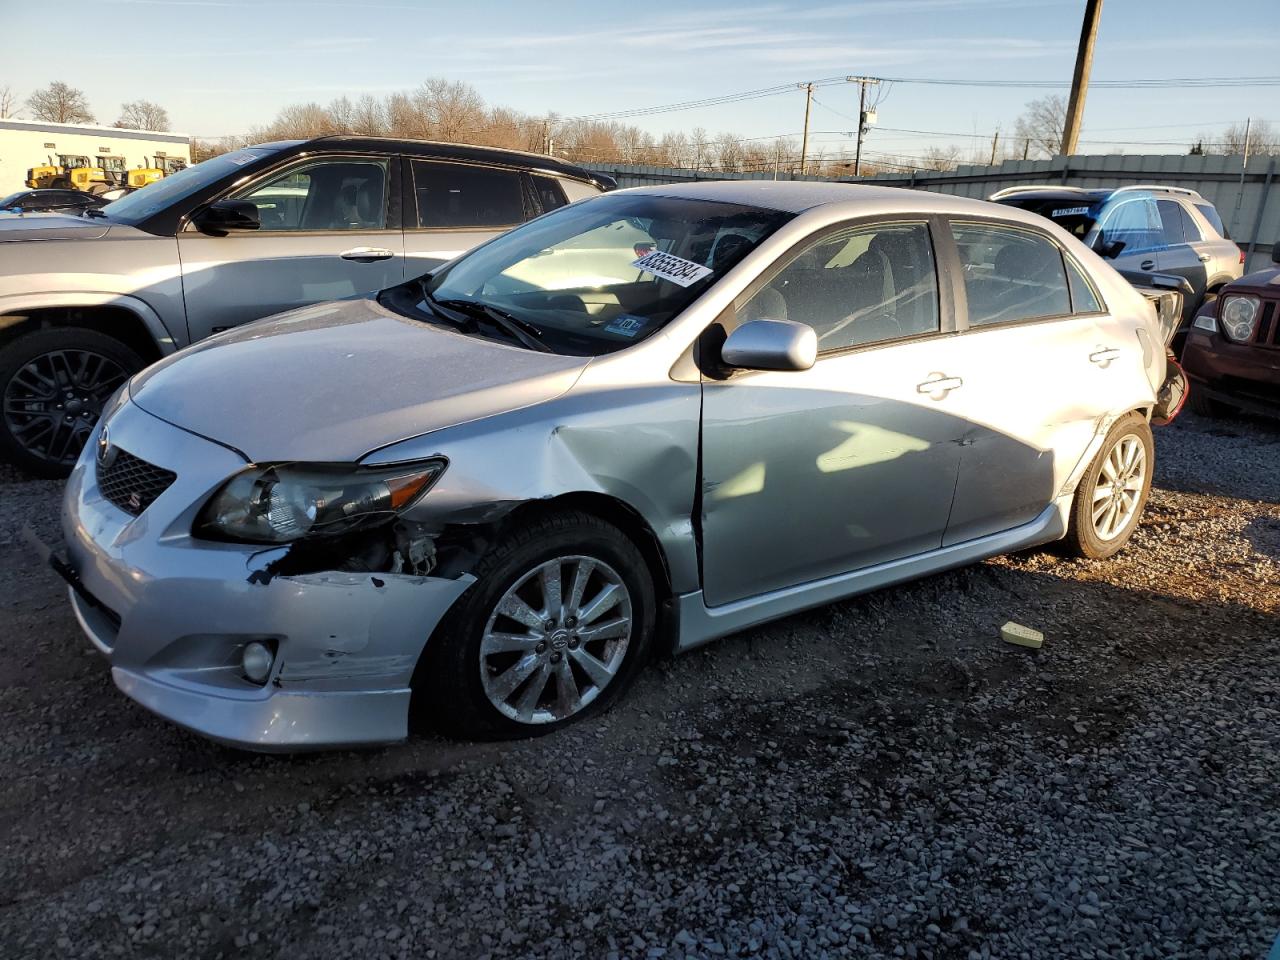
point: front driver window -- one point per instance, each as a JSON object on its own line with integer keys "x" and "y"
{"x": 344, "y": 193}
{"x": 1136, "y": 224}
{"x": 858, "y": 286}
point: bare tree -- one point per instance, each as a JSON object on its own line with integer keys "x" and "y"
{"x": 8, "y": 102}
{"x": 368, "y": 118}
{"x": 60, "y": 103}
{"x": 941, "y": 158}
{"x": 143, "y": 115}
{"x": 1262, "y": 139}
{"x": 1040, "y": 126}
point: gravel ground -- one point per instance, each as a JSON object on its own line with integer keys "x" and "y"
{"x": 882, "y": 777}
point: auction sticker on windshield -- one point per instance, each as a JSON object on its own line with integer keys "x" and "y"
{"x": 667, "y": 266}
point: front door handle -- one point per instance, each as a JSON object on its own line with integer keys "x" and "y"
{"x": 1205, "y": 258}
{"x": 1104, "y": 356}
{"x": 366, "y": 254}
{"x": 1148, "y": 264}
{"x": 939, "y": 386}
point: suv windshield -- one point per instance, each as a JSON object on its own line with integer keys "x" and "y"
{"x": 140, "y": 204}
{"x": 591, "y": 278}
{"x": 1077, "y": 217}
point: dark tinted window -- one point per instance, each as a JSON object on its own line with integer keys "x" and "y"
{"x": 1171, "y": 222}
{"x": 1190, "y": 229}
{"x": 1210, "y": 213}
{"x": 1010, "y": 274}
{"x": 459, "y": 195}
{"x": 1076, "y": 216}
{"x": 1084, "y": 299}
{"x": 855, "y": 287}
{"x": 550, "y": 193}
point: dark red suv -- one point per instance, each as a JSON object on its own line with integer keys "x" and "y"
{"x": 1232, "y": 353}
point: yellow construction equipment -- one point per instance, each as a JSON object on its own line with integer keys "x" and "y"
{"x": 72, "y": 171}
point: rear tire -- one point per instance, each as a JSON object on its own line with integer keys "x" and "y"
{"x": 476, "y": 678}
{"x": 54, "y": 384}
{"x": 1113, "y": 492}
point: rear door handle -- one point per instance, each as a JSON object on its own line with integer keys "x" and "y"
{"x": 366, "y": 254}
{"x": 940, "y": 386}
{"x": 1104, "y": 357}
{"x": 1205, "y": 258}
{"x": 1148, "y": 264}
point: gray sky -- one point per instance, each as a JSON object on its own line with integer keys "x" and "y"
{"x": 222, "y": 66}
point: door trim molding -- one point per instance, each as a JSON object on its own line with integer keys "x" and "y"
{"x": 699, "y": 624}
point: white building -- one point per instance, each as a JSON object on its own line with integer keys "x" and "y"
{"x": 30, "y": 143}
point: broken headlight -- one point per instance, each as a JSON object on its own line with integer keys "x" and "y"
{"x": 285, "y": 502}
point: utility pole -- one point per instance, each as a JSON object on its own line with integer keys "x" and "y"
{"x": 863, "y": 118}
{"x": 995, "y": 142}
{"x": 804, "y": 140}
{"x": 1080, "y": 79}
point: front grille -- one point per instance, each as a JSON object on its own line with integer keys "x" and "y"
{"x": 1268, "y": 335}
{"x": 131, "y": 483}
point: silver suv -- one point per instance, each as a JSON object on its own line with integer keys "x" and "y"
{"x": 1144, "y": 230}
{"x": 235, "y": 238}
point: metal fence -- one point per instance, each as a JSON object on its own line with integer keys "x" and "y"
{"x": 1243, "y": 195}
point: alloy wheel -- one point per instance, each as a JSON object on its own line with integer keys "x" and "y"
{"x": 556, "y": 639}
{"x": 52, "y": 403}
{"x": 1118, "y": 490}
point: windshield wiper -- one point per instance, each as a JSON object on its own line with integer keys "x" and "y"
{"x": 521, "y": 329}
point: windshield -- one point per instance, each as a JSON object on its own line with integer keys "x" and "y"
{"x": 142, "y": 203}
{"x": 1077, "y": 217}
{"x": 597, "y": 276}
{"x": 11, "y": 199}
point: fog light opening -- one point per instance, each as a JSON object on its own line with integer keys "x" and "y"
{"x": 256, "y": 661}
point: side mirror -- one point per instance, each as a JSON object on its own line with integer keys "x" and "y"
{"x": 1107, "y": 249}
{"x": 220, "y": 218}
{"x": 1275, "y": 253}
{"x": 771, "y": 345}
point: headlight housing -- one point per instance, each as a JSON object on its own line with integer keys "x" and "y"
{"x": 286, "y": 502}
{"x": 1239, "y": 317}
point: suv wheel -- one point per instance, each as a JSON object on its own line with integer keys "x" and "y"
{"x": 556, "y": 627}
{"x": 1208, "y": 407}
{"x": 55, "y": 384}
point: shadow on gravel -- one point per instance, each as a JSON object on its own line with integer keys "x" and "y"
{"x": 1263, "y": 534}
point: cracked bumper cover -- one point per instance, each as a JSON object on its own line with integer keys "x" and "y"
{"x": 172, "y": 614}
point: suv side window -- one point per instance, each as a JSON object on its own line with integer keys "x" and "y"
{"x": 1010, "y": 274}
{"x": 335, "y": 193}
{"x": 857, "y": 286}
{"x": 461, "y": 196}
{"x": 1210, "y": 213}
{"x": 549, "y": 192}
{"x": 1135, "y": 223}
{"x": 1190, "y": 229}
{"x": 1171, "y": 216}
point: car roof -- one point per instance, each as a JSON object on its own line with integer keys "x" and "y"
{"x": 801, "y": 195}
{"x": 1094, "y": 194}
{"x": 452, "y": 151}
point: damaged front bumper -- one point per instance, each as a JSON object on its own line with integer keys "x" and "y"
{"x": 173, "y": 614}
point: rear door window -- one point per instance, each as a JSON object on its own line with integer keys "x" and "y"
{"x": 1190, "y": 229}
{"x": 1171, "y": 216}
{"x": 465, "y": 196}
{"x": 1010, "y": 274}
{"x": 1084, "y": 299}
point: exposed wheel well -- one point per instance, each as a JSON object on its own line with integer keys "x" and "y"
{"x": 617, "y": 513}
{"x": 124, "y": 325}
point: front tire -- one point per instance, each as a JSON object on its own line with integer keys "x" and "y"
{"x": 1208, "y": 407}
{"x": 557, "y": 625}
{"x": 54, "y": 384}
{"x": 1113, "y": 492}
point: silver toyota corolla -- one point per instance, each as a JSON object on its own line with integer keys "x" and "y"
{"x": 483, "y": 499}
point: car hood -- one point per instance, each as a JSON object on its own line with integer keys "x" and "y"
{"x": 335, "y": 381}
{"x": 50, "y": 226}
{"x": 1263, "y": 282}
